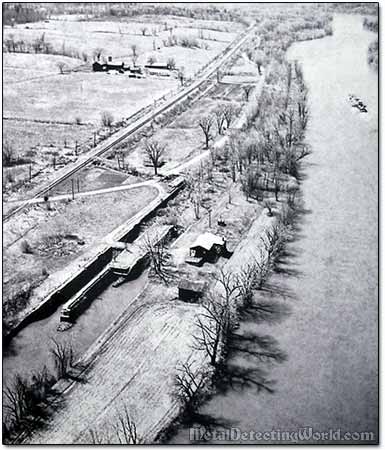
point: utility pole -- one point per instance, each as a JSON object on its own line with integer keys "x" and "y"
{"x": 73, "y": 189}
{"x": 30, "y": 172}
{"x": 94, "y": 138}
{"x": 209, "y": 211}
{"x": 78, "y": 184}
{"x": 76, "y": 148}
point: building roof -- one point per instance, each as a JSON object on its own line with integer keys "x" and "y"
{"x": 207, "y": 240}
{"x": 192, "y": 285}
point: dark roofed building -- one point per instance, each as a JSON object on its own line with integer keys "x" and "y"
{"x": 157, "y": 66}
{"x": 207, "y": 247}
{"x": 121, "y": 68}
{"x": 191, "y": 291}
{"x": 207, "y": 243}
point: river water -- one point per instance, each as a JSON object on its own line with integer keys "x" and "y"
{"x": 321, "y": 315}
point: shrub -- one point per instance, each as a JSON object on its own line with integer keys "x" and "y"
{"x": 107, "y": 119}
{"x": 171, "y": 64}
{"x": 26, "y": 247}
{"x": 8, "y": 153}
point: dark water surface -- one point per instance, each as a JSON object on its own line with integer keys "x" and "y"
{"x": 321, "y": 319}
{"x": 30, "y": 348}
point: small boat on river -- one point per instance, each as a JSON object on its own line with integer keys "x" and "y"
{"x": 357, "y": 103}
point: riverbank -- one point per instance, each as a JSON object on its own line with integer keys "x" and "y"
{"x": 320, "y": 306}
{"x": 158, "y": 330}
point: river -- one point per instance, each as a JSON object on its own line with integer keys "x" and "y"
{"x": 322, "y": 315}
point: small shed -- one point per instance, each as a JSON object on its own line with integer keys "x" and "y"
{"x": 208, "y": 245}
{"x": 191, "y": 291}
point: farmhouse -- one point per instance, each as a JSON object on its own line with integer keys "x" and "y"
{"x": 121, "y": 68}
{"x": 207, "y": 247}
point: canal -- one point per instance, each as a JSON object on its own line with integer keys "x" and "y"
{"x": 29, "y": 350}
{"x": 321, "y": 307}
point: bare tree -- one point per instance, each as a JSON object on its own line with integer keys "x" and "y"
{"x": 220, "y": 119}
{"x": 250, "y": 183}
{"x": 143, "y": 30}
{"x": 273, "y": 241}
{"x": 25, "y": 401}
{"x": 171, "y": 63}
{"x": 61, "y": 66}
{"x": 154, "y": 151}
{"x": 209, "y": 333}
{"x": 181, "y": 75}
{"x": 134, "y": 54}
{"x": 106, "y": 119}
{"x": 97, "y": 53}
{"x": 263, "y": 265}
{"x": 230, "y": 111}
{"x": 247, "y": 90}
{"x": 246, "y": 280}
{"x": 277, "y": 185}
{"x": 189, "y": 385}
{"x": 98, "y": 438}
{"x": 292, "y": 192}
{"x": 269, "y": 206}
{"x": 14, "y": 401}
{"x": 125, "y": 428}
{"x": 217, "y": 321}
{"x": 303, "y": 111}
{"x": 158, "y": 255}
{"x": 197, "y": 203}
{"x": 259, "y": 58}
{"x": 64, "y": 357}
{"x": 151, "y": 60}
{"x": 8, "y": 153}
{"x": 206, "y": 124}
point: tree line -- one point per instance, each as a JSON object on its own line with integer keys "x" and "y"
{"x": 40, "y": 45}
{"x": 263, "y": 155}
{"x": 14, "y": 13}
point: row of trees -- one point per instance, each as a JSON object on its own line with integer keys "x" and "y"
{"x": 373, "y": 54}
{"x": 27, "y": 401}
{"x": 14, "y": 13}
{"x": 216, "y": 325}
{"x": 40, "y": 45}
{"x": 371, "y": 23}
{"x": 222, "y": 119}
{"x": 271, "y": 147}
{"x": 268, "y": 150}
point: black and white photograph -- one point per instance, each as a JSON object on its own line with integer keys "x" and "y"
{"x": 190, "y": 233}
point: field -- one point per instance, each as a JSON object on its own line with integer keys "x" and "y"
{"x": 116, "y": 37}
{"x": 82, "y": 96}
{"x": 47, "y": 112}
{"x": 182, "y": 137}
{"x": 92, "y": 178}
